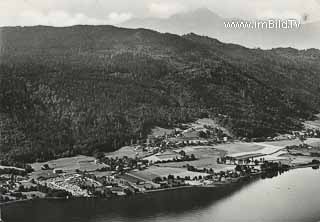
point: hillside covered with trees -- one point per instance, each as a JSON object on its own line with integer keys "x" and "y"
{"x": 80, "y": 89}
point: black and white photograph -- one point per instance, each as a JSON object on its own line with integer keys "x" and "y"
{"x": 159, "y": 110}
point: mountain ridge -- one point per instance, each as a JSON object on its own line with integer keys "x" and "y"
{"x": 213, "y": 25}
{"x": 82, "y": 89}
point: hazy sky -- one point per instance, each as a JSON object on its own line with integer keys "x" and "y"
{"x": 71, "y": 12}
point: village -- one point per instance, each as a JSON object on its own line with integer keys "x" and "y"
{"x": 200, "y": 154}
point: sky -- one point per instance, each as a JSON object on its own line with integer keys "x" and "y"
{"x": 72, "y": 12}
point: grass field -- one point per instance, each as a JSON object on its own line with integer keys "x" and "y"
{"x": 102, "y": 174}
{"x": 154, "y": 171}
{"x": 200, "y": 164}
{"x": 70, "y": 162}
{"x": 309, "y": 141}
{"x": 69, "y": 165}
{"x": 159, "y": 131}
{"x": 206, "y": 158}
{"x": 124, "y": 151}
{"x": 239, "y": 147}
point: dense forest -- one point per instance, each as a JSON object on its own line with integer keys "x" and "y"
{"x": 82, "y": 89}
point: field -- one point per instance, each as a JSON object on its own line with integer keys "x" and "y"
{"x": 206, "y": 158}
{"x": 64, "y": 163}
{"x": 266, "y": 150}
{"x": 154, "y": 171}
{"x": 310, "y": 141}
{"x": 296, "y": 160}
{"x": 12, "y": 168}
{"x": 124, "y": 151}
{"x": 159, "y": 131}
{"x": 239, "y": 147}
{"x": 102, "y": 174}
{"x": 69, "y": 165}
{"x": 274, "y": 151}
{"x": 315, "y": 124}
{"x": 315, "y": 142}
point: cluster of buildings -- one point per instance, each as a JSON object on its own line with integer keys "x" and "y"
{"x": 189, "y": 135}
{"x": 16, "y": 187}
{"x": 169, "y": 156}
{"x": 75, "y": 184}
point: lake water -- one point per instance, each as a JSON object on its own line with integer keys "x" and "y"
{"x": 293, "y": 196}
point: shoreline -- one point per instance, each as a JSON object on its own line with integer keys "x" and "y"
{"x": 29, "y": 200}
{"x": 240, "y": 181}
{"x": 218, "y": 185}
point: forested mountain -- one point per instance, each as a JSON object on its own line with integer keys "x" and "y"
{"x": 79, "y": 89}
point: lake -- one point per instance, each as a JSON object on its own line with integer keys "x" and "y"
{"x": 292, "y": 196}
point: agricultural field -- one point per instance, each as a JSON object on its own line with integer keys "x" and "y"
{"x": 68, "y": 165}
{"x": 266, "y": 150}
{"x": 296, "y": 160}
{"x": 206, "y": 158}
{"x": 159, "y": 131}
{"x": 102, "y": 173}
{"x": 131, "y": 178}
{"x": 286, "y": 142}
{"x": 310, "y": 141}
{"x": 124, "y": 151}
{"x": 154, "y": 171}
{"x": 239, "y": 147}
{"x": 314, "y": 142}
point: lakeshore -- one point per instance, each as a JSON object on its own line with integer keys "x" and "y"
{"x": 227, "y": 186}
{"x": 278, "y": 195}
{"x": 168, "y": 161}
